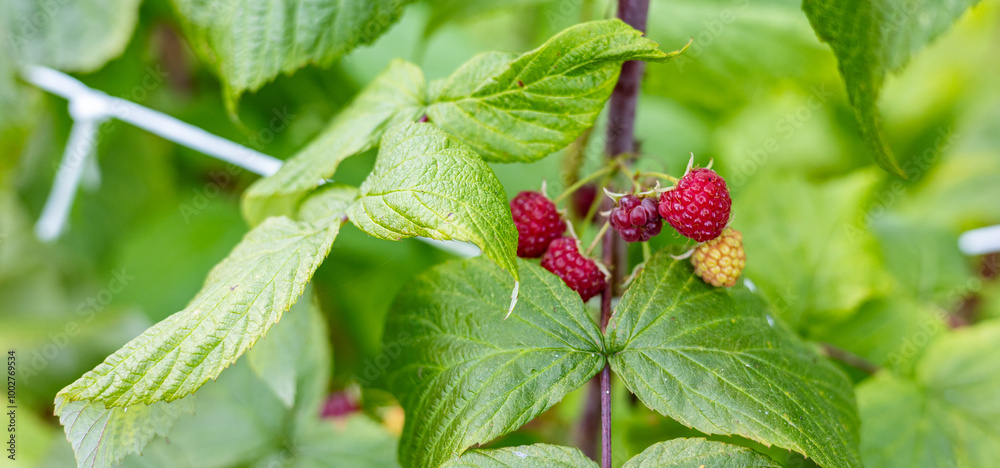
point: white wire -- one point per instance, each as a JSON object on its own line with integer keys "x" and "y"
{"x": 87, "y": 102}
{"x": 980, "y": 241}
{"x": 79, "y": 148}
{"x": 90, "y": 107}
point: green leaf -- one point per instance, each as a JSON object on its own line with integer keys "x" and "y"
{"x": 520, "y": 109}
{"x": 799, "y": 262}
{"x": 251, "y": 42}
{"x": 102, "y": 437}
{"x": 741, "y": 50}
{"x": 62, "y": 34}
{"x": 888, "y": 331}
{"x": 357, "y": 442}
{"x": 426, "y": 183}
{"x": 395, "y": 96}
{"x": 465, "y": 375}
{"x": 924, "y": 258}
{"x": 276, "y": 357}
{"x": 961, "y": 192}
{"x": 10, "y": 98}
{"x": 243, "y": 296}
{"x": 948, "y": 416}
{"x": 239, "y": 421}
{"x": 328, "y": 203}
{"x": 698, "y": 452}
{"x": 716, "y": 360}
{"x": 462, "y": 11}
{"x": 535, "y": 456}
{"x": 871, "y": 38}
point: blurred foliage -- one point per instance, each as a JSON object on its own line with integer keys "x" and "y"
{"x": 848, "y": 254}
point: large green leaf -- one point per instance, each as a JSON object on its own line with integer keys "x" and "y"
{"x": 678, "y": 453}
{"x": 716, "y": 360}
{"x": 239, "y": 421}
{"x": 395, "y": 96}
{"x": 243, "y": 296}
{"x": 465, "y": 375}
{"x": 871, "y": 38}
{"x": 797, "y": 235}
{"x": 251, "y": 42}
{"x": 517, "y": 109}
{"x": 63, "y": 35}
{"x": 535, "y": 456}
{"x": 426, "y": 183}
{"x": 102, "y": 437}
{"x": 949, "y": 415}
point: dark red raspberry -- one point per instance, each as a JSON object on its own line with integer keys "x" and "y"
{"x": 635, "y": 219}
{"x": 580, "y": 273}
{"x": 698, "y": 207}
{"x": 582, "y": 199}
{"x": 537, "y": 221}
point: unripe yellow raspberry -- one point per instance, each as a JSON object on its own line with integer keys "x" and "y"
{"x": 721, "y": 260}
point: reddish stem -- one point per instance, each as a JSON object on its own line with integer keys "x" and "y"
{"x": 606, "y": 416}
{"x": 621, "y": 140}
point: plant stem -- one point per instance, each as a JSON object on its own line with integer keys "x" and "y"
{"x": 580, "y": 183}
{"x": 621, "y": 140}
{"x": 849, "y": 358}
{"x": 660, "y": 175}
{"x": 606, "y": 416}
{"x": 598, "y": 201}
{"x": 597, "y": 238}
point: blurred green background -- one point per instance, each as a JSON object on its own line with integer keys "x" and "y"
{"x": 846, "y": 253}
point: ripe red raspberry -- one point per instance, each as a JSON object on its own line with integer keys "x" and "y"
{"x": 721, "y": 260}
{"x": 698, "y": 207}
{"x": 635, "y": 219}
{"x": 580, "y": 273}
{"x": 537, "y": 222}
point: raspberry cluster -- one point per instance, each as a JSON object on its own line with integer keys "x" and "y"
{"x": 635, "y": 219}
{"x": 538, "y": 223}
{"x": 698, "y": 207}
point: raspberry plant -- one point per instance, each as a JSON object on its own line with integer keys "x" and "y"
{"x": 632, "y": 291}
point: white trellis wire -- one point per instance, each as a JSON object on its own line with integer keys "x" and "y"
{"x": 89, "y": 108}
